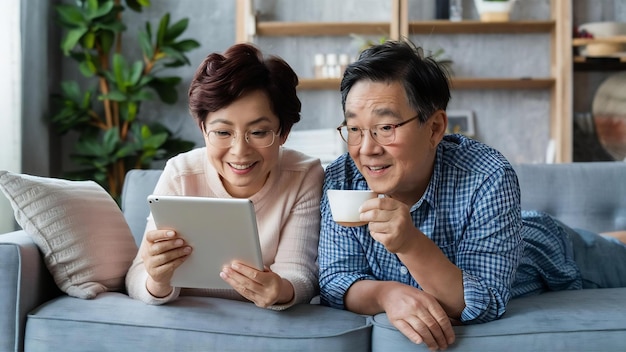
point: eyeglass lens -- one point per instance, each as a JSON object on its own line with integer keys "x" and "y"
{"x": 255, "y": 138}
{"x": 382, "y": 134}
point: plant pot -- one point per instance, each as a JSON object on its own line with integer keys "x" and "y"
{"x": 494, "y": 11}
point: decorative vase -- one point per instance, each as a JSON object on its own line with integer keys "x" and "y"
{"x": 494, "y": 10}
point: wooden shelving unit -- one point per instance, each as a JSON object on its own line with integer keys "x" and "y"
{"x": 477, "y": 27}
{"x": 620, "y": 39}
{"x": 274, "y": 28}
{"x": 320, "y": 28}
{"x": 583, "y": 63}
{"x": 559, "y": 27}
{"x": 592, "y": 63}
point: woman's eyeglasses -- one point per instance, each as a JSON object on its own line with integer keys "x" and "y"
{"x": 254, "y": 138}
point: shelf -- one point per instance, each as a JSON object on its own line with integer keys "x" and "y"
{"x": 271, "y": 28}
{"x": 319, "y": 83}
{"x": 321, "y": 28}
{"x": 585, "y": 41}
{"x": 456, "y": 83}
{"x": 448, "y": 27}
{"x": 501, "y": 83}
{"x": 582, "y": 63}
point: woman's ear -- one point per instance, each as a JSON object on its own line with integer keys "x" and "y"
{"x": 438, "y": 126}
{"x": 283, "y": 137}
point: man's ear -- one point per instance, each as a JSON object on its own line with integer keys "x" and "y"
{"x": 438, "y": 126}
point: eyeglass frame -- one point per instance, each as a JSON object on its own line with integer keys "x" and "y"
{"x": 374, "y": 138}
{"x": 235, "y": 134}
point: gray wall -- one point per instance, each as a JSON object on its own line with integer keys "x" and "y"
{"x": 514, "y": 121}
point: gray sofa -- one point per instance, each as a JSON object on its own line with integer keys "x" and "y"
{"x": 37, "y": 317}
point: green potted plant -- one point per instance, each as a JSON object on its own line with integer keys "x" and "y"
{"x": 104, "y": 108}
{"x": 494, "y": 10}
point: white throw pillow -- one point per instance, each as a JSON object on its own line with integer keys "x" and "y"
{"x": 86, "y": 243}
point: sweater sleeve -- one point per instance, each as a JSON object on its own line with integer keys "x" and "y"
{"x": 137, "y": 275}
{"x": 296, "y": 255}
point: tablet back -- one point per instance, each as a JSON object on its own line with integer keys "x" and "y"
{"x": 219, "y": 230}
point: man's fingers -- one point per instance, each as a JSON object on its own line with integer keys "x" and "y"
{"x": 432, "y": 332}
{"x": 426, "y": 331}
{"x": 448, "y": 331}
{"x": 407, "y": 330}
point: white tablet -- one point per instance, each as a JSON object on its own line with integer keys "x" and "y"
{"x": 219, "y": 230}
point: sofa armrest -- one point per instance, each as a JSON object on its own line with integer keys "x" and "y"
{"x": 25, "y": 283}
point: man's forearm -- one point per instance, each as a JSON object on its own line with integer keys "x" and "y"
{"x": 436, "y": 275}
{"x": 367, "y": 296}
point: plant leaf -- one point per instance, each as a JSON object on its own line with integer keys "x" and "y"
{"x": 175, "y": 55}
{"x": 186, "y": 45}
{"x": 149, "y": 30}
{"x": 142, "y": 95}
{"x": 145, "y": 44}
{"x": 70, "y": 16}
{"x": 104, "y": 10}
{"x": 132, "y": 109}
{"x": 87, "y": 68}
{"x": 135, "y": 73}
{"x": 119, "y": 70}
{"x": 114, "y": 95}
{"x": 137, "y": 5}
{"x": 175, "y": 30}
{"x": 89, "y": 39}
{"x": 71, "y": 39}
{"x": 71, "y": 90}
{"x": 110, "y": 139}
{"x": 166, "y": 89}
{"x": 165, "y": 20}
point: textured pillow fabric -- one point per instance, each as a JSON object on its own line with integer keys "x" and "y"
{"x": 86, "y": 243}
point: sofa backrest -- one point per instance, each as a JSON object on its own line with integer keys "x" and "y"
{"x": 589, "y": 195}
{"x": 137, "y": 186}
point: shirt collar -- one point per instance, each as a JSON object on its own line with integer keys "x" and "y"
{"x": 429, "y": 195}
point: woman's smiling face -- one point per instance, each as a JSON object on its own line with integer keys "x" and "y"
{"x": 243, "y": 168}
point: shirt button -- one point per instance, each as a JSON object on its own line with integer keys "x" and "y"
{"x": 404, "y": 270}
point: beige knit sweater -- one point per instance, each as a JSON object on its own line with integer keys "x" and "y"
{"x": 288, "y": 217}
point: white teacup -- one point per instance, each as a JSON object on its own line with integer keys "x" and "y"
{"x": 345, "y": 204}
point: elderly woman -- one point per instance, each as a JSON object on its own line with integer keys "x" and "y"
{"x": 244, "y": 105}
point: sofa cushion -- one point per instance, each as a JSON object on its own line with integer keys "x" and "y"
{"x": 138, "y": 184}
{"x": 191, "y": 324}
{"x": 582, "y": 195}
{"x": 86, "y": 243}
{"x": 583, "y": 320}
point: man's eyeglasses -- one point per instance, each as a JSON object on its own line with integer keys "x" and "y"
{"x": 254, "y": 138}
{"x": 383, "y": 133}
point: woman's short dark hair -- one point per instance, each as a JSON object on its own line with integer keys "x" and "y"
{"x": 425, "y": 81}
{"x": 223, "y": 78}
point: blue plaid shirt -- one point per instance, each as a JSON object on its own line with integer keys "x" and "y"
{"x": 471, "y": 210}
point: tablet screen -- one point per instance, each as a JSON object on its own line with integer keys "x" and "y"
{"x": 219, "y": 230}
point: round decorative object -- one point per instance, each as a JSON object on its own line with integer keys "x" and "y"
{"x": 609, "y": 114}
